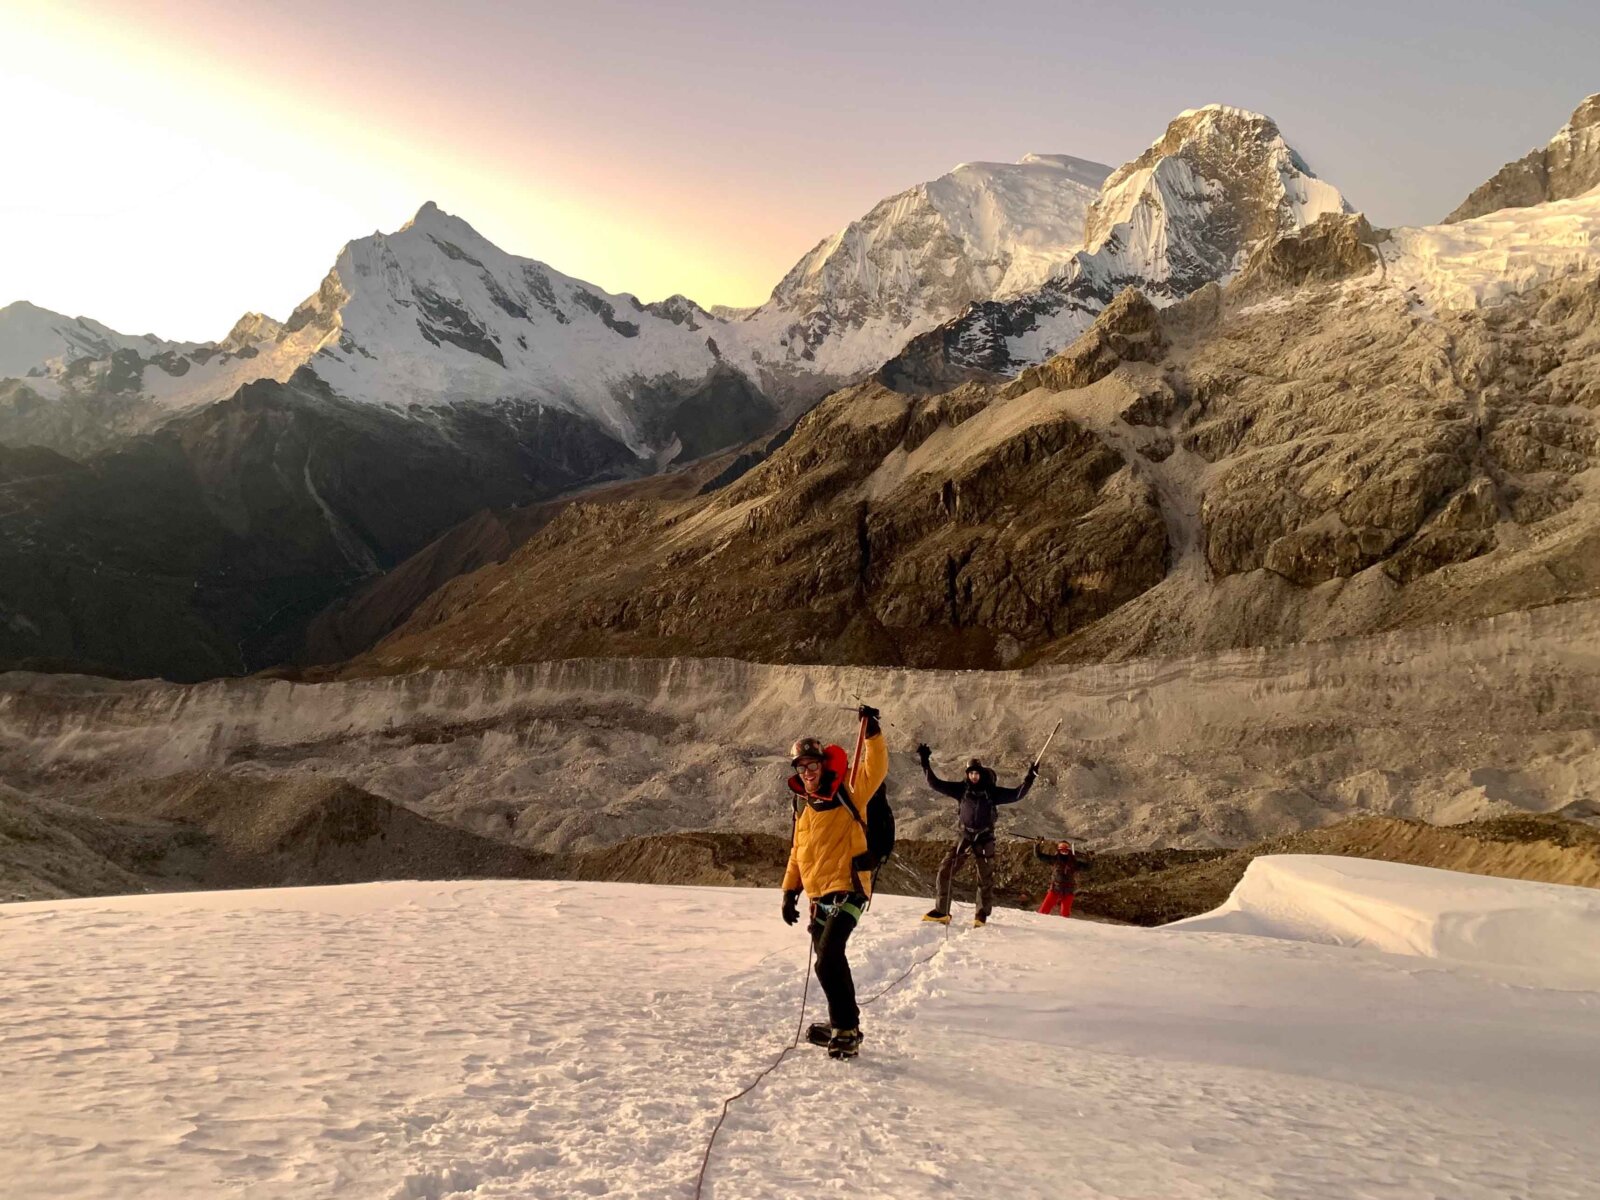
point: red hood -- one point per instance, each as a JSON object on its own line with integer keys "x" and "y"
{"x": 835, "y": 766}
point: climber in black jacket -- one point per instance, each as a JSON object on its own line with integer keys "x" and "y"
{"x": 980, "y": 798}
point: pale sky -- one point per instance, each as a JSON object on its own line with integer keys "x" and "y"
{"x": 171, "y": 164}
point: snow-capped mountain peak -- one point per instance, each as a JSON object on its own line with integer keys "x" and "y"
{"x": 437, "y": 313}
{"x": 1187, "y": 211}
{"x": 430, "y": 213}
{"x": 34, "y": 339}
{"x": 918, "y": 258}
{"x": 1000, "y": 226}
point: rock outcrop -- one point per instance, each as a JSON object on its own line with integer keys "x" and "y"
{"x": 1335, "y": 246}
{"x": 1392, "y": 442}
{"x": 1567, "y": 167}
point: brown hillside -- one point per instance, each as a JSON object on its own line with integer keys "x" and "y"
{"x": 308, "y": 829}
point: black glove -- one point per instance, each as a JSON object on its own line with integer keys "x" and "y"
{"x": 864, "y": 862}
{"x": 867, "y": 711}
{"x": 1033, "y": 770}
{"x": 925, "y": 752}
{"x": 791, "y": 907}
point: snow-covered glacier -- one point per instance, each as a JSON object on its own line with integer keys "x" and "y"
{"x": 404, "y": 1040}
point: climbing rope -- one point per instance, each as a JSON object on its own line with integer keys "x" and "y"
{"x": 794, "y": 1044}
{"x": 906, "y": 974}
{"x": 805, "y": 992}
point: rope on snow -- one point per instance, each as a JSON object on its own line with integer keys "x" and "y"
{"x": 705, "y": 1160}
{"x": 794, "y": 1044}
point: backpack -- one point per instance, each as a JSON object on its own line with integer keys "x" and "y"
{"x": 879, "y": 824}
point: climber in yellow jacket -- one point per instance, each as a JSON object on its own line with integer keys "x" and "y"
{"x": 829, "y": 857}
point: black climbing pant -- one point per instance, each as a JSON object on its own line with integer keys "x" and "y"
{"x": 981, "y": 848}
{"x": 832, "y": 921}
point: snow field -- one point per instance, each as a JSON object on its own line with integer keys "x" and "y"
{"x": 410, "y": 1040}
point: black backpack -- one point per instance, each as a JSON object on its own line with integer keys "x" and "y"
{"x": 879, "y": 823}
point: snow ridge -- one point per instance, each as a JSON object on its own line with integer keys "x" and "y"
{"x": 918, "y": 258}
{"x": 35, "y": 341}
{"x": 1542, "y": 933}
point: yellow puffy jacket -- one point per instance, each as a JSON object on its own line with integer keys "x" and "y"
{"x": 826, "y": 836}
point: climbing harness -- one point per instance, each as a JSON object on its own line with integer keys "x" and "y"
{"x": 826, "y": 909}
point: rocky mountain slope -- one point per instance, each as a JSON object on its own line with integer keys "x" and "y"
{"x": 206, "y": 547}
{"x": 1562, "y": 170}
{"x": 1358, "y": 433}
{"x": 356, "y": 622}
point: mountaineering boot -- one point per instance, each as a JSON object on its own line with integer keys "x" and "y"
{"x": 819, "y": 1034}
{"x": 937, "y": 917}
{"x": 845, "y": 1043}
{"x": 979, "y": 922}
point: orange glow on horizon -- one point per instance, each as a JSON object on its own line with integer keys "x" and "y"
{"x": 174, "y": 120}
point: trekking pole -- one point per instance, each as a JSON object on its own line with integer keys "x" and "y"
{"x": 855, "y": 759}
{"x": 1039, "y": 757}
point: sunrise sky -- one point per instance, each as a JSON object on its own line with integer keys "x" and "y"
{"x": 170, "y": 165}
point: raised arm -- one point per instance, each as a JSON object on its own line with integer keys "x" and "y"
{"x": 874, "y": 766}
{"x": 943, "y": 786}
{"x": 1004, "y": 795}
